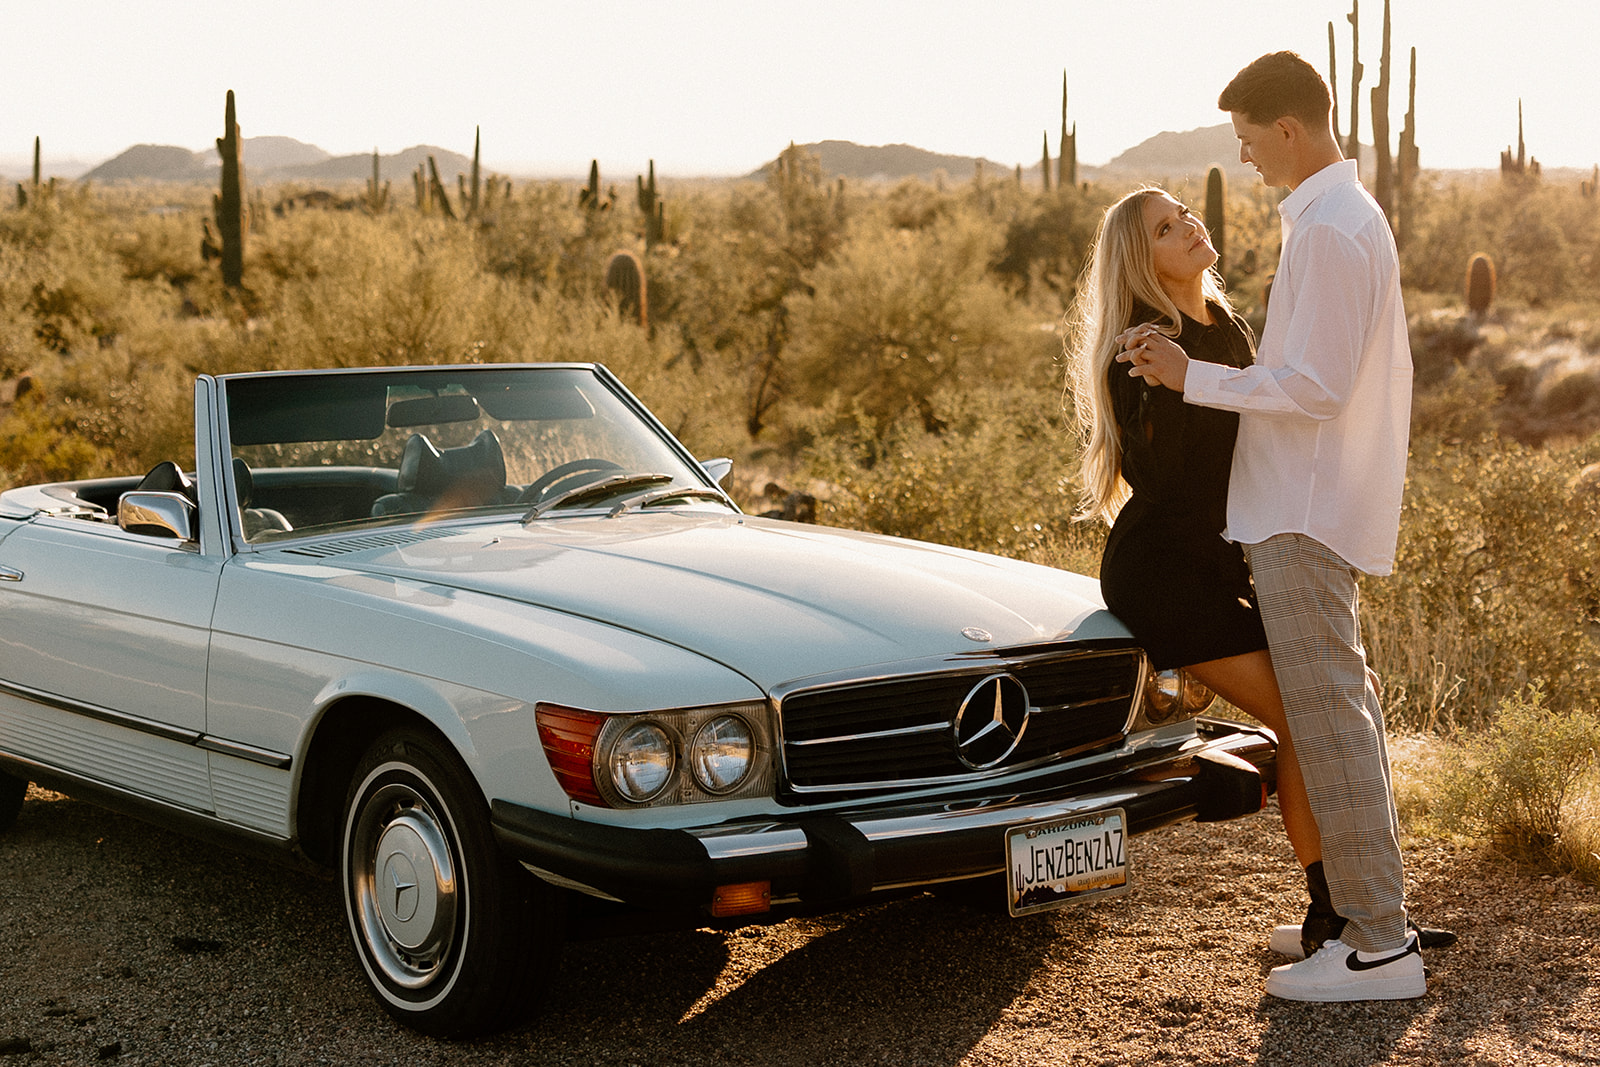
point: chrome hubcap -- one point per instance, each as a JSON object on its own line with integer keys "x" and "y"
{"x": 406, "y": 885}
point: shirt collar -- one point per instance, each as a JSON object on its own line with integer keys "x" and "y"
{"x": 1333, "y": 174}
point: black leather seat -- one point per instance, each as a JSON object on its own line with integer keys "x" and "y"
{"x": 435, "y": 479}
{"x": 254, "y": 520}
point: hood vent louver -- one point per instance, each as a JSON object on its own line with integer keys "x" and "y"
{"x": 394, "y": 539}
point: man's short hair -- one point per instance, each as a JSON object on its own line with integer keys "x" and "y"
{"x": 1278, "y": 84}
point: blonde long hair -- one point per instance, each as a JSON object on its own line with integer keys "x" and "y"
{"x": 1119, "y": 277}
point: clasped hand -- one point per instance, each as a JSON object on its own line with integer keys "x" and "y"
{"x": 1154, "y": 356}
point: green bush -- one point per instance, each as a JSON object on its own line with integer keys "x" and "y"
{"x": 1493, "y": 584}
{"x": 998, "y": 477}
{"x": 1513, "y": 781}
{"x": 896, "y": 314}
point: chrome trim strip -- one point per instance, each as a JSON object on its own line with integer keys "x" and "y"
{"x": 266, "y": 757}
{"x": 10, "y": 574}
{"x": 900, "y": 731}
{"x": 764, "y": 842}
{"x": 100, "y": 714}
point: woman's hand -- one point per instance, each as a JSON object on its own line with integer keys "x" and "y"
{"x": 1154, "y": 356}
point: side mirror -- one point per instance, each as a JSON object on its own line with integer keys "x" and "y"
{"x": 157, "y": 514}
{"x": 717, "y": 469}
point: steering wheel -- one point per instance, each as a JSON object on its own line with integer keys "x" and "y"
{"x": 556, "y": 479}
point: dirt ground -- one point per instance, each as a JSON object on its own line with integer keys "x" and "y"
{"x": 131, "y": 945}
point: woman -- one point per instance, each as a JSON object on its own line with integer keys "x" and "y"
{"x": 1156, "y": 469}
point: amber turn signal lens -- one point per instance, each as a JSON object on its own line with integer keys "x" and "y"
{"x": 745, "y": 898}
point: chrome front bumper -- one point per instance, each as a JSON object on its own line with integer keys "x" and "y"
{"x": 850, "y": 853}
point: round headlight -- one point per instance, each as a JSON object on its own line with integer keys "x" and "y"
{"x": 1175, "y": 694}
{"x": 721, "y": 754}
{"x": 641, "y": 762}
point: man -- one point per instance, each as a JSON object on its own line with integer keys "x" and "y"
{"x": 1318, "y": 471}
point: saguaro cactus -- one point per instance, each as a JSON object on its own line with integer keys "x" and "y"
{"x": 1352, "y": 144}
{"x": 436, "y": 189}
{"x": 1217, "y": 214}
{"x": 229, "y": 202}
{"x": 1409, "y": 161}
{"x": 1044, "y": 167}
{"x": 625, "y": 278}
{"x": 651, "y": 208}
{"x": 1480, "y": 284}
{"x": 377, "y": 192}
{"x": 1067, "y": 161}
{"x": 473, "y": 201}
{"x": 589, "y": 197}
{"x": 1383, "y": 182}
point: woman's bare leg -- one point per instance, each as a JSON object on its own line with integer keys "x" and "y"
{"x": 1247, "y": 682}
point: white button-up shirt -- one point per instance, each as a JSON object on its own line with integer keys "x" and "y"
{"x": 1324, "y": 414}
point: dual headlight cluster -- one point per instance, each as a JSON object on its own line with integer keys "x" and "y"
{"x": 682, "y": 756}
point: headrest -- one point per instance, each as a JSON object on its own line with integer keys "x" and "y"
{"x": 472, "y": 471}
{"x": 166, "y": 477}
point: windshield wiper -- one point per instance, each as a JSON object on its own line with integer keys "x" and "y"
{"x": 644, "y": 500}
{"x": 617, "y": 483}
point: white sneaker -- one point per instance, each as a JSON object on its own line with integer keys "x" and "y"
{"x": 1285, "y": 941}
{"x": 1338, "y": 973}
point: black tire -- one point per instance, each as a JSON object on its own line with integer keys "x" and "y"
{"x": 12, "y": 790}
{"x": 455, "y": 939}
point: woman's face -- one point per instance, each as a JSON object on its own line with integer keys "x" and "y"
{"x": 1180, "y": 248}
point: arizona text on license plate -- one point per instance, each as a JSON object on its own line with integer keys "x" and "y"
{"x": 1066, "y": 860}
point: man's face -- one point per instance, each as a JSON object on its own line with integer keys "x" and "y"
{"x": 1264, "y": 147}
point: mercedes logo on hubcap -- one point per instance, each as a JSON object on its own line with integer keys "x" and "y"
{"x": 990, "y": 722}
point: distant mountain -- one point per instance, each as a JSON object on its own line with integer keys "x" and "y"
{"x": 894, "y": 162}
{"x": 154, "y": 163}
{"x": 275, "y": 153}
{"x": 394, "y": 167}
{"x": 1176, "y": 156}
{"x": 271, "y": 159}
{"x": 1168, "y": 157}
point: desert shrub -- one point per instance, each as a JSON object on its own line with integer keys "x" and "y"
{"x": 1513, "y": 782}
{"x": 895, "y": 315}
{"x": 1493, "y": 583}
{"x": 998, "y": 477}
{"x": 720, "y": 296}
{"x": 58, "y": 281}
{"x": 1046, "y": 242}
{"x": 1544, "y": 239}
{"x": 543, "y": 238}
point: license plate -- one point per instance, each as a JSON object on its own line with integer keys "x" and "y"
{"x": 1065, "y": 861}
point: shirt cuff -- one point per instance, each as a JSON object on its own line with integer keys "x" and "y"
{"x": 1201, "y": 380}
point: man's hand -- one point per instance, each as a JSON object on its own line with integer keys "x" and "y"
{"x": 1154, "y": 357}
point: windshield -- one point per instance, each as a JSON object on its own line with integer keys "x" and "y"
{"x": 318, "y": 451}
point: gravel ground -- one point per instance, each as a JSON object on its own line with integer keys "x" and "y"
{"x": 131, "y": 945}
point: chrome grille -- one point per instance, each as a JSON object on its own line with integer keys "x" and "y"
{"x": 893, "y": 732}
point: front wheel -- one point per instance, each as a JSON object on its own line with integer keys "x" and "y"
{"x": 454, "y": 938}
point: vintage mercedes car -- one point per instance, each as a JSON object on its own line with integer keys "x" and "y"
{"x": 487, "y": 640}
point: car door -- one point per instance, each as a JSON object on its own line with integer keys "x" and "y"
{"x": 103, "y": 646}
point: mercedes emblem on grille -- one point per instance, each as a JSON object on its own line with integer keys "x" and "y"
{"x": 990, "y": 721}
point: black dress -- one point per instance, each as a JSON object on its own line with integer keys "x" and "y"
{"x": 1167, "y": 572}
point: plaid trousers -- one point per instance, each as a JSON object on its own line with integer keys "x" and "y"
{"x": 1310, "y": 607}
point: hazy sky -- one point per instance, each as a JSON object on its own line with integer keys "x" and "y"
{"x": 709, "y": 87}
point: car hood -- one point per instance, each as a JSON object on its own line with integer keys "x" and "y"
{"x": 773, "y": 600}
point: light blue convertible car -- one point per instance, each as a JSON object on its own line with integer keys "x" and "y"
{"x": 493, "y": 646}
